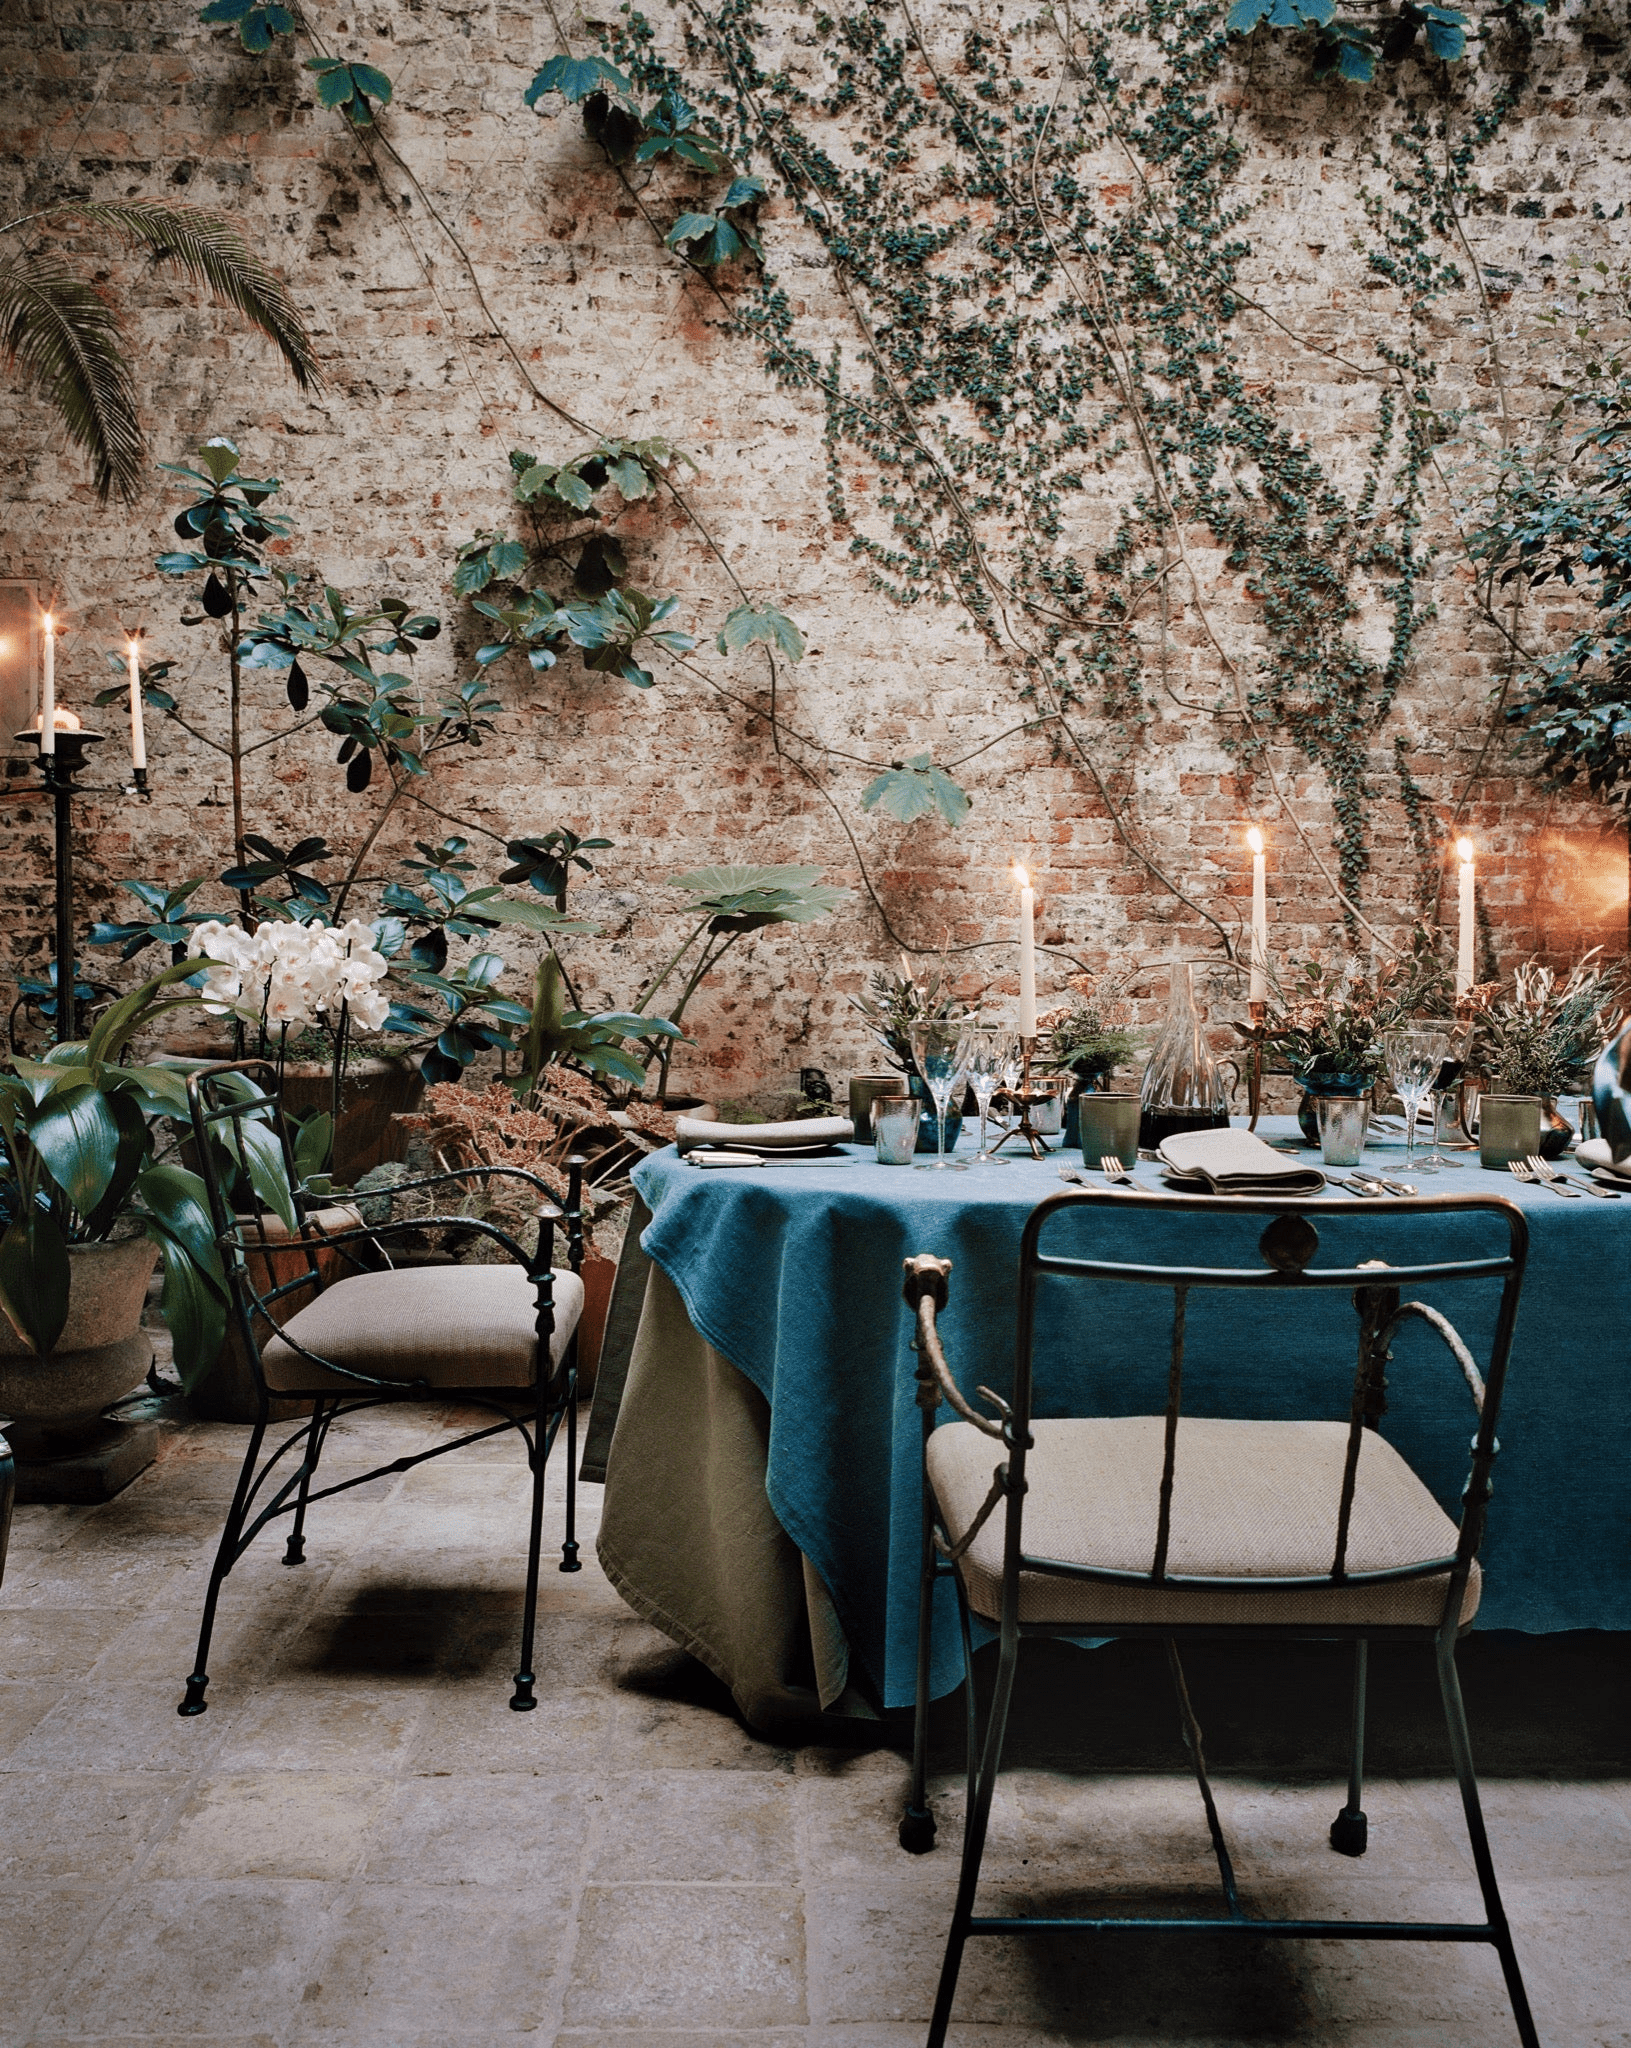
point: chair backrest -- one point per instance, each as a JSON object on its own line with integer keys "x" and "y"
{"x": 1288, "y": 1249}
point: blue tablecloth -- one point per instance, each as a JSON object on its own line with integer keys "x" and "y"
{"x": 794, "y": 1274}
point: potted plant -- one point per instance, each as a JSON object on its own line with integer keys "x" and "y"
{"x": 1089, "y": 1037}
{"x": 89, "y": 1204}
{"x": 892, "y": 1004}
{"x": 1327, "y": 1030}
{"x": 1532, "y": 1042}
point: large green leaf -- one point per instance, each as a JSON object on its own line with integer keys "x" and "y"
{"x": 484, "y": 906}
{"x": 767, "y": 895}
{"x": 130, "y": 1012}
{"x": 77, "y": 1138}
{"x": 916, "y": 790}
{"x": 749, "y": 623}
{"x": 575, "y": 78}
{"x": 256, "y": 1147}
{"x": 135, "y": 1147}
{"x": 194, "y": 1306}
{"x": 34, "y": 1279}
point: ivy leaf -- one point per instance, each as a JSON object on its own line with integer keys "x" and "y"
{"x": 257, "y": 21}
{"x": 743, "y": 192}
{"x": 749, "y": 625}
{"x": 1446, "y": 32}
{"x": 350, "y": 88}
{"x": 575, "y": 78}
{"x": 917, "y": 789}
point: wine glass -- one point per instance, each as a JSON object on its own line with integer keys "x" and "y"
{"x": 1442, "y": 1096}
{"x": 1414, "y": 1055}
{"x": 987, "y": 1066}
{"x": 940, "y": 1048}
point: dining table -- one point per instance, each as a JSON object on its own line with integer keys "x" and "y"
{"x": 756, "y": 1426}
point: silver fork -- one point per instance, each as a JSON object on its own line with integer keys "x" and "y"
{"x": 1543, "y": 1169}
{"x": 1520, "y": 1169}
{"x": 1111, "y": 1167}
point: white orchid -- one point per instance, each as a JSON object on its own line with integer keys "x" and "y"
{"x": 294, "y": 972}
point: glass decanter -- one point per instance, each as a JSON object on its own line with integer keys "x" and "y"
{"x": 1184, "y": 1087}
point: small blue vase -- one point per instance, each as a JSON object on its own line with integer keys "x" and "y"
{"x": 928, "y": 1133}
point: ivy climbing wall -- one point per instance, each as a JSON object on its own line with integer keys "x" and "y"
{"x": 1101, "y": 403}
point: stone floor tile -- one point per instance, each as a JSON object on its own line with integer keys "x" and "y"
{"x": 83, "y": 1827}
{"x": 1541, "y": 1828}
{"x": 271, "y": 1824}
{"x": 23, "y": 1707}
{"x": 128, "y": 1580}
{"x": 688, "y": 1955}
{"x": 399, "y": 1959}
{"x": 468, "y": 1727}
{"x": 501, "y": 1829}
{"x": 42, "y": 1925}
{"x": 49, "y": 1642}
{"x": 172, "y": 1956}
{"x": 707, "y": 1827}
{"x": 685, "y": 2037}
{"x": 323, "y": 1725}
{"x": 123, "y": 1727}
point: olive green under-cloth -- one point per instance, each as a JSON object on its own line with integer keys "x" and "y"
{"x": 689, "y": 1538}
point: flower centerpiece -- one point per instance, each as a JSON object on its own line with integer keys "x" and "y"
{"x": 891, "y": 1005}
{"x": 1326, "y": 1031}
{"x": 1090, "y": 1036}
{"x": 1539, "y": 1035}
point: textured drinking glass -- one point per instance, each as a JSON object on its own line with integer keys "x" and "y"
{"x": 940, "y": 1047}
{"x": 1344, "y": 1123}
{"x": 894, "y": 1128}
{"x": 1109, "y": 1123}
{"x": 1414, "y": 1054}
{"x": 986, "y": 1059}
{"x": 1508, "y": 1129}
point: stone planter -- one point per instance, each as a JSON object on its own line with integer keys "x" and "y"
{"x": 372, "y": 1092}
{"x": 65, "y": 1449}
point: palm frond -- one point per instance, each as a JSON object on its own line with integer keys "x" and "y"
{"x": 66, "y": 339}
{"x": 209, "y": 248}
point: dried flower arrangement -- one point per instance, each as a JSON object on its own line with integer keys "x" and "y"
{"x": 1541, "y": 1035}
{"x": 1091, "y": 1035}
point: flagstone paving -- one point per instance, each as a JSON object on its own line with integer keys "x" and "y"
{"x": 360, "y": 1843}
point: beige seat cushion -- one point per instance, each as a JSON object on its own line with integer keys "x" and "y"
{"x": 455, "y": 1326}
{"x": 1249, "y": 1500}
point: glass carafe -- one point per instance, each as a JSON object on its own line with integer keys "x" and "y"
{"x": 1184, "y": 1087}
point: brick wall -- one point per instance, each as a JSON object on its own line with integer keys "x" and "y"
{"x": 403, "y": 456}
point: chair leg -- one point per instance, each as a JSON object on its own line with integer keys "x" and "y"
{"x": 522, "y": 1700}
{"x": 1350, "y": 1831}
{"x": 1455, "y": 1720}
{"x": 570, "y": 1561}
{"x": 979, "y": 1816}
{"x": 917, "y": 1822}
{"x": 193, "y": 1701}
{"x": 294, "y": 1551}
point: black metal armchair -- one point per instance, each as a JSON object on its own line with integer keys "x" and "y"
{"x": 499, "y": 1337}
{"x": 1188, "y": 1528}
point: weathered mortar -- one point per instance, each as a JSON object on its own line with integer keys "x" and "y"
{"x": 403, "y": 457}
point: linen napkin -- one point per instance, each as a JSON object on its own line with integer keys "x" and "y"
{"x": 1235, "y": 1163}
{"x": 1594, "y": 1152}
{"x": 692, "y": 1131}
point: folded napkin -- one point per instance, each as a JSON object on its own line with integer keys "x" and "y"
{"x": 690, "y": 1131}
{"x": 1235, "y": 1163}
{"x": 1594, "y": 1152}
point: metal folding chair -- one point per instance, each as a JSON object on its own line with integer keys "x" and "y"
{"x": 1191, "y": 1528}
{"x": 496, "y": 1337}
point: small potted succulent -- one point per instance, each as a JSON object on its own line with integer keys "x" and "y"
{"x": 1534, "y": 1040}
{"x": 1089, "y": 1037}
{"x": 891, "y": 1005}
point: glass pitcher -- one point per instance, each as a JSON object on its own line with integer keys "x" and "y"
{"x": 1184, "y": 1086}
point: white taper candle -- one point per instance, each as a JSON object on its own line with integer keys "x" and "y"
{"x": 138, "y": 727}
{"x": 48, "y": 698}
{"x": 1463, "y": 955}
{"x": 1258, "y": 988}
{"x": 1027, "y": 954}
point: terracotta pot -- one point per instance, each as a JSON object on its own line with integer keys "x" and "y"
{"x": 228, "y": 1392}
{"x": 598, "y": 1277}
{"x": 371, "y": 1094}
{"x": 55, "y": 1403}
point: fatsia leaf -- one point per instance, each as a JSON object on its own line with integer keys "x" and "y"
{"x": 575, "y": 78}
{"x": 750, "y": 624}
{"x": 916, "y": 790}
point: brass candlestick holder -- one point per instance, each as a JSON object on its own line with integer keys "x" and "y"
{"x": 1026, "y": 1096}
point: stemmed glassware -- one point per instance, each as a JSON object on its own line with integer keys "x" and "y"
{"x": 987, "y": 1068}
{"x": 940, "y": 1050}
{"x": 1443, "y": 1098}
{"x": 1414, "y": 1055}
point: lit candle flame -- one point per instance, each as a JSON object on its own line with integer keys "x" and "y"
{"x": 1254, "y": 839}
{"x": 1463, "y": 849}
{"x": 1023, "y": 875}
{"x": 50, "y": 623}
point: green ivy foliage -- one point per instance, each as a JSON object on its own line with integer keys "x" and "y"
{"x": 1023, "y": 328}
